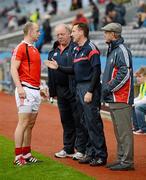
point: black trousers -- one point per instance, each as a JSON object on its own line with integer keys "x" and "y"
{"x": 70, "y": 113}
{"x": 96, "y": 145}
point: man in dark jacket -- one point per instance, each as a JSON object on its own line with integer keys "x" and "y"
{"x": 118, "y": 91}
{"x": 47, "y": 29}
{"x": 87, "y": 69}
{"x": 62, "y": 86}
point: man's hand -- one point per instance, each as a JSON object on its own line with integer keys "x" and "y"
{"x": 21, "y": 94}
{"x": 88, "y": 97}
{"x": 44, "y": 93}
{"x": 106, "y": 90}
{"x": 51, "y": 64}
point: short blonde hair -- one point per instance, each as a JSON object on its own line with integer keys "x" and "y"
{"x": 27, "y": 27}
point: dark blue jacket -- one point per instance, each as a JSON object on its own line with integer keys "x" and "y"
{"x": 85, "y": 59}
{"x": 56, "y": 77}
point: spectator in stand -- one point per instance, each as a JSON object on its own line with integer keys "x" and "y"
{"x": 22, "y": 20}
{"x": 141, "y": 14}
{"x": 45, "y": 4}
{"x": 47, "y": 29}
{"x": 79, "y": 3}
{"x": 45, "y": 33}
{"x": 114, "y": 13}
{"x": 12, "y": 23}
{"x": 141, "y": 7}
{"x": 139, "y": 112}
{"x": 54, "y": 7}
{"x": 76, "y": 4}
{"x": 113, "y": 16}
{"x": 101, "y": 1}
{"x": 35, "y": 16}
{"x": 39, "y": 43}
{"x": 94, "y": 19}
{"x": 121, "y": 11}
{"x": 17, "y": 7}
{"x": 109, "y": 7}
{"x": 80, "y": 18}
{"x": 91, "y": 2}
{"x": 144, "y": 20}
{"x": 5, "y": 10}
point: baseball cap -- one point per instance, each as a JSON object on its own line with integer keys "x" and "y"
{"x": 112, "y": 27}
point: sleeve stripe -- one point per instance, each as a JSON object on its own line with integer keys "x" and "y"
{"x": 95, "y": 51}
{"x": 122, "y": 82}
{"x": 80, "y": 59}
{"x": 126, "y": 58}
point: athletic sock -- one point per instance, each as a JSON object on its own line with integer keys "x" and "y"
{"x": 18, "y": 153}
{"x": 26, "y": 152}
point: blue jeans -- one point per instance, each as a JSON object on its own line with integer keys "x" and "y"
{"x": 139, "y": 112}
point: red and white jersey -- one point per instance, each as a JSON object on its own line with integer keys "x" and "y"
{"x": 29, "y": 73}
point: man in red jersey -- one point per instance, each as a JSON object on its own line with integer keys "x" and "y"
{"x": 25, "y": 70}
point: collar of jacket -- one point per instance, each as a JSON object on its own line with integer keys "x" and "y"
{"x": 115, "y": 44}
{"x": 85, "y": 44}
{"x": 55, "y": 45}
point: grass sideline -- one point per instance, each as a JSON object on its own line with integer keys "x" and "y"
{"x": 47, "y": 170}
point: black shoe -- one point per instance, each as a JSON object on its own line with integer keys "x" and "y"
{"x": 32, "y": 160}
{"x": 109, "y": 165}
{"x": 122, "y": 167}
{"x": 85, "y": 160}
{"x": 98, "y": 162}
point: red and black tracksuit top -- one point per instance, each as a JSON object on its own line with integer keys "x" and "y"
{"x": 85, "y": 59}
{"x": 117, "y": 81}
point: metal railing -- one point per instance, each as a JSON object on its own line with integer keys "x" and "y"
{"x": 6, "y": 83}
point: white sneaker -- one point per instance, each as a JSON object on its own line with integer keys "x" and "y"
{"x": 139, "y": 132}
{"x": 78, "y": 156}
{"x": 63, "y": 154}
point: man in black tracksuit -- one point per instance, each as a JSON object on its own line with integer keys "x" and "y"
{"x": 63, "y": 86}
{"x": 87, "y": 69}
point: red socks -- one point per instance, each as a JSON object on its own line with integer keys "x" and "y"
{"x": 18, "y": 151}
{"x": 22, "y": 151}
{"x": 26, "y": 150}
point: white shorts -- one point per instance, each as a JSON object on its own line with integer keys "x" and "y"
{"x": 31, "y": 103}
